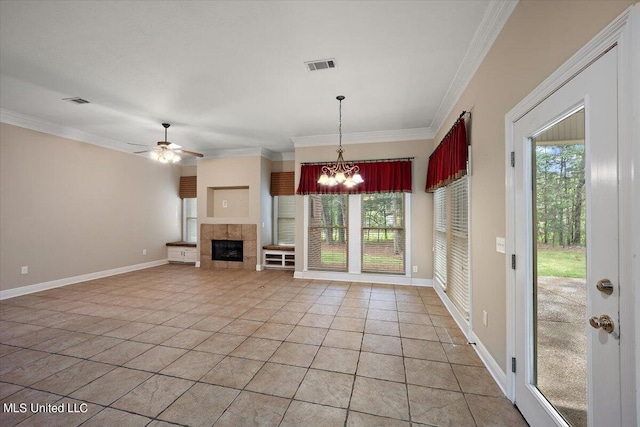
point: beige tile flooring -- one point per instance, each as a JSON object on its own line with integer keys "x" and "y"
{"x": 180, "y": 345}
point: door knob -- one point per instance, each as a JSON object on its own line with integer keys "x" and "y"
{"x": 605, "y": 286}
{"x": 603, "y": 322}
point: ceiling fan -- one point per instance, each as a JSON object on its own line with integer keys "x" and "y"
{"x": 166, "y": 152}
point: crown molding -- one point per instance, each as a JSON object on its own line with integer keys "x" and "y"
{"x": 492, "y": 22}
{"x": 44, "y": 126}
{"x": 364, "y": 137}
{"x": 240, "y": 152}
{"x": 281, "y": 157}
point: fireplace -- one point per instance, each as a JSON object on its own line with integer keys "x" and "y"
{"x": 227, "y": 250}
{"x": 246, "y": 233}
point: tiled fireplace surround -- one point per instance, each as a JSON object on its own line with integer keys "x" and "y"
{"x": 245, "y": 232}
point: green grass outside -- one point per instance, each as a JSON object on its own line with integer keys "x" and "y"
{"x": 559, "y": 263}
{"x": 340, "y": 258}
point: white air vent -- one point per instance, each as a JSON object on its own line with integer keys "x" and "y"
{"x": 322, "y": 64}
{"x": 76, "y": 100}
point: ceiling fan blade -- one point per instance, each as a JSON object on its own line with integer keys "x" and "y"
{"x": 189, "y": 153}
{"x": 140, "y": 145}
{"x": 141, "y": 152}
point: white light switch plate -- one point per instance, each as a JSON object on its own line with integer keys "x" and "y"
{"x": 500, "y": 245}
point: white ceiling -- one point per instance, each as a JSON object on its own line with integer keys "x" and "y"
{"x": 230, "y": 75}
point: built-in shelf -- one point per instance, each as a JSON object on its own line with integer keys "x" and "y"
{"x": 279, "y": 259}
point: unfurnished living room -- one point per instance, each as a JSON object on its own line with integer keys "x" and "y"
{"x": 319, "y": 213}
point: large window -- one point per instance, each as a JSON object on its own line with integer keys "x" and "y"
{"x": 285, "y": 220}
{"x": 328, "y": 231}
{"x": 377, "y": 242}
{"x": 190, "y": 220}
{"x": 383, "y": 233}
{"x": 451, "y": 251}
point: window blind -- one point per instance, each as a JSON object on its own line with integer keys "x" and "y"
{"x": 383, "y": 233}
{"x": 282, "y": 184}
{"x": 458, "y": 257}
{"x": 286, "y": 226}
{"x": 188, "y": 187}
{"x": 328, "y": 231}
{"x": 440, "y": 249}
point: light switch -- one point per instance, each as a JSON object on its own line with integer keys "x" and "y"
{"x": 224, "y": 203}
{"x": 500, "y": 245}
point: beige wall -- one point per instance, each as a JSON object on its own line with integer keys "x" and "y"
{"x": 188, "y": 170}
{"x": 69, "y": 208}
{"x": 538, "y": 38}
{"x": 421, "y": 202}
{"x": 283, "y": 166}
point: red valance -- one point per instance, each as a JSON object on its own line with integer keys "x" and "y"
{"x": 448, "y": 161}
{"x": 379, "y": 177}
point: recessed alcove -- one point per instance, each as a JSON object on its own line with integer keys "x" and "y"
{"x": 228, "y": 202}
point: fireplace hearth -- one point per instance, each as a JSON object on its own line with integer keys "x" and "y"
{"x": 227, "y": 250}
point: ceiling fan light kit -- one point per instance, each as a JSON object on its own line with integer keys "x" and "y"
{"x": 347, "y": 174}
{"x": 167, "y": 152}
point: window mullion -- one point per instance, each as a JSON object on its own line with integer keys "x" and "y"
{"x": 355, "y": 223}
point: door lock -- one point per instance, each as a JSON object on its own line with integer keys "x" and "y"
{"x": 605, "y": 286}
{"x": 604, "y": 322}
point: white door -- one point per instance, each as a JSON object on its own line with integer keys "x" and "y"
{"x": 568, "y": 370}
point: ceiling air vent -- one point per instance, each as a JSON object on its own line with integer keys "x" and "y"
{"x": 76, "y": 100}
{"x": 322, "y": 64}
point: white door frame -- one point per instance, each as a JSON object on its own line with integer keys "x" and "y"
{"x": 624, "y": 32}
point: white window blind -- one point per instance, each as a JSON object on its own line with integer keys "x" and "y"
{"x": 458, "y": 256}
{"x": 285, "y": 220}
{"x": 190, "y": 220}
{"x": 383, "y": 233}
{"x": 440, "y": 250}
{"x": 328, "y": 231}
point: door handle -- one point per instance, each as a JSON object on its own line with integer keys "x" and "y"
{"x": 604, "y": 322}
{"x": 605, "y": 286}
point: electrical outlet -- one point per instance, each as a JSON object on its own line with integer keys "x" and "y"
{"x": 500, "y": 245}
{"x": 415, "y": 268}
{"x": 485, "y": 318}
{"x": 144, "y": 252}
{"x": 24, "y": 270}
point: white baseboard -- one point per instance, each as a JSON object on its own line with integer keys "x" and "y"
{"x": 386, "y": 279}
{"x": 25, "y": 290}
{"x": 490, "y": 363}
{"x": 259, "y": 267}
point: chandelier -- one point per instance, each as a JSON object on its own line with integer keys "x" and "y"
{"x": 340, "y": 172}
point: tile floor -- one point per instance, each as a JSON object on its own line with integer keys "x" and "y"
{"x": 179, "y": 345}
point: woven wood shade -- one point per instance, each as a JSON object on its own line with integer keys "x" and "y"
{"x": 188, "y": 187}
{"x": 282, "y": 184}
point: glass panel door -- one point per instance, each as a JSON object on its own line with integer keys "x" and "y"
{"x": 559, "y": 270}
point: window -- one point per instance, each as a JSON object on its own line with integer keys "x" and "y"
{"x": 328, "y": 231}
{"x": 190, "y": 219}
{"x": 383, "y": 233}
{"x": 285, "y": 218}
{"x": 451, "y": 251}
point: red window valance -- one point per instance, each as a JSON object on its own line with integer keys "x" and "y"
{"x": 448, "y": 161}
{"x": 389, "y": 176}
